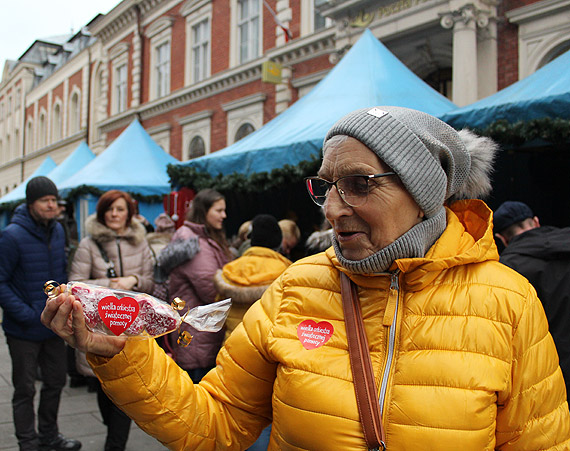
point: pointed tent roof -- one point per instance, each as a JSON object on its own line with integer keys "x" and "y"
{"x": 368, "y": 75}
{"x": 546, "y": 93}
{"x": 133, "y": 162}
{"x": 19, "y": 193}
{"x": 73, "y": 163}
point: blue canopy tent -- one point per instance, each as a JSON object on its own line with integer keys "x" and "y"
{"x": 368, "y": 75}
{"x": 546, "y": 93}
{"x": 19, "y": 193}
{"x": 133, "y": 163}
{"x": 80, "y": 157}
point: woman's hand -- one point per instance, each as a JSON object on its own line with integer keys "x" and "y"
{"x": 123, "y": 283}
{"x": 64, "y": 315}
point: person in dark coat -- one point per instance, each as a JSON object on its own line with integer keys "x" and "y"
{"x": 542, "y": 255}
{"x": 32, "y": 247}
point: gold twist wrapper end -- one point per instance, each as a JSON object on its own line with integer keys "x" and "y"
{"x": 51, "y": 289}
{"x": 184, "y": 338}
{"x": 178, "y": 304}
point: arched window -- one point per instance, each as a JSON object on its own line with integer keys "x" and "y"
{"x": 243, "y": 131}
{"x": 197, "y": 147}
{"x": 56, "y": 130}
{"x": 42, "y": 131}
{"x": 74, "y": 113}
{"x": 29, "y": 136}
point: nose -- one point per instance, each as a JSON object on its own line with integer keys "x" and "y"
{"x": 335, "y": 207}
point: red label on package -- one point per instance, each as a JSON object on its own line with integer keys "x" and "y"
{"x": 314, "y": 335}
{"x": 118, "y": 314}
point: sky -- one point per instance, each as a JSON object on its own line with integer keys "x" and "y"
{"x": 24, "y": 21}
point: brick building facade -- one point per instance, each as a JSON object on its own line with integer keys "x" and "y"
{"x": 191, "y": 70}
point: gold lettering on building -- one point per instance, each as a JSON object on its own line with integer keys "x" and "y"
{"x": 364, "y": 19}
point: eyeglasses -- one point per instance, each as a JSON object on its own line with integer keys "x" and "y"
{"x": 353, "y": 189}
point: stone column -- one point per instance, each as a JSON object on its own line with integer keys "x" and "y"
{"x": 464, "y": 22}
{"x": 283, "y": 94}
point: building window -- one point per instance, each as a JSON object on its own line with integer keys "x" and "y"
{"x": 248, "y": 29}
{"x": 42, "y": 131}
{"x": 162, "y": 69}
{"x": 243, "y": 131}
{"x": 29, "y": 137}
{"x": 200, "y": 50}
{"x": 197, "y": 148}
{"x": 121, "y": 88}
{"x": 56, "y": 129}
{"x": 74, "y": 113}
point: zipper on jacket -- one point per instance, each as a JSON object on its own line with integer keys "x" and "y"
{"x": 118, "y": 241}
{"x": 390, "y": 316}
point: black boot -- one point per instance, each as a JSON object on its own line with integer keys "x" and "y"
{"x": 60, "y": 443}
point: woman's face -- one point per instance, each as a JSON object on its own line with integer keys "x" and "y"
{"x": 116, "y": 216}
{"x": 216, "y": 214}
{"x": 388, "y": 213}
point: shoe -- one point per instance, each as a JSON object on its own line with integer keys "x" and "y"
{"x": 60, "y": 443}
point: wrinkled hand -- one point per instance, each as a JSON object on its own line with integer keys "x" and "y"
{"x": 64, "y": 315}
{"x": 123, "y": 283}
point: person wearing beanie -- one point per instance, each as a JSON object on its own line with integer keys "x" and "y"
{"x": 246, "y": 278}
{"x": 32, "y": 247}
{"x": 457, "y": 344}
{"x": 542, "y": 255}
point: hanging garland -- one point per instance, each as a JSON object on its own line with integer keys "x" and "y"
{"x": 555, "y": 131}
{"x": 261, "y": 181}
{"x": 85, "y": 189}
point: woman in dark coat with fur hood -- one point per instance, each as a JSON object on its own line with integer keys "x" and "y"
{"x": 197, "y": 250}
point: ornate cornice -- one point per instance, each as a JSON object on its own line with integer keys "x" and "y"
{"x": 322, "y": 43}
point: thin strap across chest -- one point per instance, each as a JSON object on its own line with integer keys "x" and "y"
{"x": 361, "y": 365}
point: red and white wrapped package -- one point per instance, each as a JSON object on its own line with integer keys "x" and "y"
{"x": 127, "y": 313}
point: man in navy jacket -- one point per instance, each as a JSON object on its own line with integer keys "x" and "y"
{"x": 32, "y": 250}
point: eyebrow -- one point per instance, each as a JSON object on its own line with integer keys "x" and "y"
{"x": 350, "y": 169}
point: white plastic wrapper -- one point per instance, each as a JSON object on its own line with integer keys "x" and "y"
{"x": 130, "y": 314}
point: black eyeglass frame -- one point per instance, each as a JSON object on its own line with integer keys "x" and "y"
{"x": 340, "y": 191}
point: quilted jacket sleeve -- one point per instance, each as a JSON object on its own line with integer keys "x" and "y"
{"x": 83, "y": 263}
{"x": 145, "y": 276}
{"x": 10, "y": 301}
{"x": 534, "y": 413}
{"x": 227, "y": 410}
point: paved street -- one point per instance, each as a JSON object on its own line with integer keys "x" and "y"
{"x": 79, "y": 416}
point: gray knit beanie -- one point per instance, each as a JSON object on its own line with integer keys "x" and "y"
{"x": 434, "y": 162}
{"x": 426, "y": 153}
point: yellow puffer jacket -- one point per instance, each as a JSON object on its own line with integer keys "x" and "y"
{"x": 473, "y": 367}
{"x": 246, "y": 278}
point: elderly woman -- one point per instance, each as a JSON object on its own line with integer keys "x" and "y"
{"x": 459, "y": 346}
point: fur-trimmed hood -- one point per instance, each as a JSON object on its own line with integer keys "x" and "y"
{"x": 135, "y": 233}
{"x": 246, "y": 278}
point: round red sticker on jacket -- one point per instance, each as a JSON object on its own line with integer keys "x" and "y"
{"x": 314, "y": 335}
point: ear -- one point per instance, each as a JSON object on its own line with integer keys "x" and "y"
{"x": 536, "y": 221}
{"x": 502, "y": 238}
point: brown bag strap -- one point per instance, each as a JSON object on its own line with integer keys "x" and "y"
{"x": 362, "y": 373}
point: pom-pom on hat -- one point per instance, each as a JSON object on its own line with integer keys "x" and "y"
{"x": 265, "y": 232}
{"x": 434, "y": 162}
{"x": 509, "y": 213}
{"x": 39, "y": 187}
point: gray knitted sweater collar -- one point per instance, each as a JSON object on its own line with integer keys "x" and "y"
{"x": 412, "y": 244}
